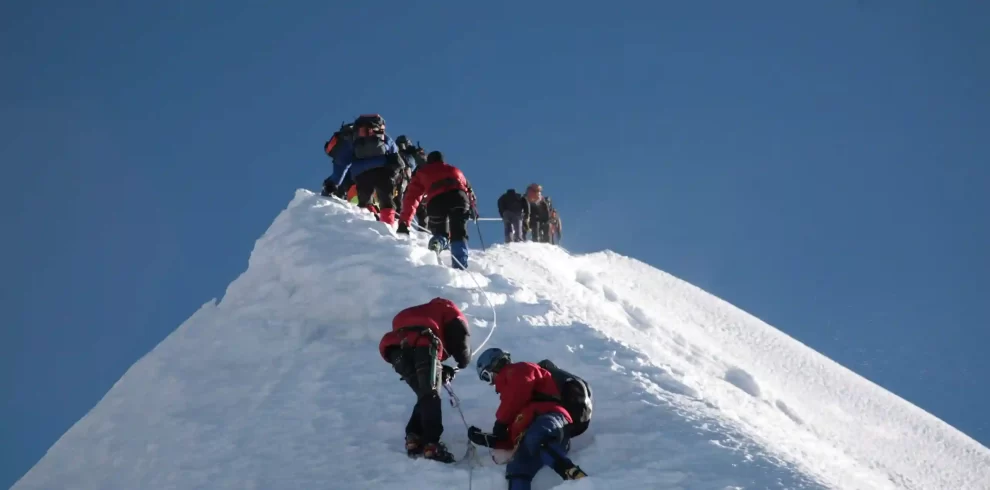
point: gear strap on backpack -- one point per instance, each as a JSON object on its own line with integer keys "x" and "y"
{"x": 369, "y": 136}
{"x": 575, "y": 394}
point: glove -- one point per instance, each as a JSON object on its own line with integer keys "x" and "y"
{"x": 500, "y": 431}
{"x": 403, "y": 229}
{"x": 474, "y": 213}
{"x": 448, "y": 373}
{"x": 476, "y": 436}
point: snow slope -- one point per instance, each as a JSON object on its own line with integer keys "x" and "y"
{"x": 279, "y": 385}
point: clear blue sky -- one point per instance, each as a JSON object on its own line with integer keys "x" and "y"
{"x": 823, "y": 165}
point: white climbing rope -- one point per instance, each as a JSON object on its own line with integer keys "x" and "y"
{"x": 481, "y": 290}
{"x": 470, "y": 452}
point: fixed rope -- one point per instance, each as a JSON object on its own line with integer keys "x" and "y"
{"x": 480, "y": 290}
{"x": 470, "y": 452}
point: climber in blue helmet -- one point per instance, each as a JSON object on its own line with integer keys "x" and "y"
{"x": 530, "y": 419}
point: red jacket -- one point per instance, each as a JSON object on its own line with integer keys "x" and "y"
{"x": 432, "y": 179}
{"x": 443, "y": 318}
{"x": 516, "y": 383}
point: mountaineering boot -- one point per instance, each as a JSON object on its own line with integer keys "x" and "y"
{"x": 438, "y": 243}
{"x": 437, "y": 452}
{"x": 569, "y": 471}
{"x": 562, "y": 465}
{"x": 574, "y": 473}
{"x": 414, "y": 447}
{"x": 459, "y": 254}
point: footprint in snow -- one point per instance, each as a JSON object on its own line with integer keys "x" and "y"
{"x": 743, "y": 380}
{"x": 588, "y": 280}
{"x": 667, "y": 382}
{"x": 788, "y": 412}
{"x": 637, "y": 316}
{"x": 610, "y": 293}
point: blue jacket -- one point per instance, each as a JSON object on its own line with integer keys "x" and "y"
{"x": 409, "y": 161}
{"x": 342, "y": 157}
{"x": 347, "y": 162}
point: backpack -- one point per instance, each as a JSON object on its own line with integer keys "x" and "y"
{"x": 575, "y": 395}
{"x": 339, "y": 141}
{"x": 369, "y": 137}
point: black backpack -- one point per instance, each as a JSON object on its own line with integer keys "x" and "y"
{"x": 575, "y": 396}
{"x": 341, "y": 139}
{"x": 369, "y": 136}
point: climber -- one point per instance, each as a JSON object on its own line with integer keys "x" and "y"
{"x": 540, "y": 212}
{"x": 339, "y": 148}
{"x": 536, "y": 428}
{"x": 556, "y": 226}
{"x": 421, "y": 338}
{"x": 373, "y": 163}
{"x": 514, "y": 210}
{"x": 412, "y": 157}
{"x": 352, "y": 197}
{"x": 450, "y": 203}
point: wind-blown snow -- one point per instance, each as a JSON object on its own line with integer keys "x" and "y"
{"x": 279, "y": 385}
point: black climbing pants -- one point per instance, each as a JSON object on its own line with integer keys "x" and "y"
{"x": 420, "y": 368}
{"x": 449, "y": 214}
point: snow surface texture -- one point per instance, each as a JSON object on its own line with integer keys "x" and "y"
{"x": 280, "y": 386}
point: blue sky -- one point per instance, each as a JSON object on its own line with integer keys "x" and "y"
{"x": 824, "y": 167}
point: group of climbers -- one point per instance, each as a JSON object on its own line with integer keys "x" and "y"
{"x": 542, "y": 407}
{"x": 533, "y": 213}
{"x": 398, "y": 181}
{"x": 405, "y": 181}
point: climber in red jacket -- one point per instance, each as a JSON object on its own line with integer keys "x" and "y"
{"x": 421, "y": 338}
{"x": 449, "y": 198}
{"x": 530, "y": 418}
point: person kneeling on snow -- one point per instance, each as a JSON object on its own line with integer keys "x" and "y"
{"x": 536, "y": 429}
{"x": 449, "y": 204}
{"x": 421, "y": 338}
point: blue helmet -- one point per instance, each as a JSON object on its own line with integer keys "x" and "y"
{"x": 489, "y": 362}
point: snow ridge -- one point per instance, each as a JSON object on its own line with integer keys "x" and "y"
{"x": 279, "y": 385}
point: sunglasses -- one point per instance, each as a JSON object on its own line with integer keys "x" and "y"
{"x": 487, "y": 376}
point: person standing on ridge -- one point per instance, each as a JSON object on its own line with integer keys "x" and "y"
{"x": 373, "y": 163}
{"x": 539, "y": 214}
{"x": 529, "y": 418}
{"x": 339, "y": 148}
{"x": 556, "y": 226}
{"x": 514, "y": 210}
{"x": 421, "y": 338}
{"x": 450, "y": 204}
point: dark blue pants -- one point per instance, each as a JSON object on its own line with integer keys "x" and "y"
{"x": 543, "y": 437}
